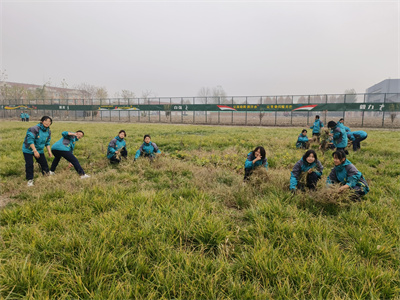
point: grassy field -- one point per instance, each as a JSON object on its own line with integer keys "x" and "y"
{"x": 186, "y": 226}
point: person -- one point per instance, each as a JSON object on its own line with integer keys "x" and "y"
{"x": 316, "y": 127}
{"x": 117, "y": 148}
{"x": 347, "y": 175}
{"x": 356, "y": 137}
{"x": 255, "y": 158}
{"x": 147, "y": 149}
{"x": 341, "y": 123}
{"x": 22, "y": 116}
{"x": 37, "y": 138}
{"x": 302, "y": 140}
{"x": 339, "y": 136}
{"x": 306, "y": 172}
{"x": 64, "y": 147}
{"x": 27, "y": 116}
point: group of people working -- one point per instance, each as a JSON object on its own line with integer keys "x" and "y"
{"x": 38, "y": 138}
{"x": 310, "y": 168}
{"x": 337, "y": 138}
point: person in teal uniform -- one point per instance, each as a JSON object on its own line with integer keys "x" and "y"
{"x": 347, "y": 175}
{"x": 339, "y": 136}
{"x": 302, "y": 140}
{"x": 36, "y": 139}
{"x": 255, "y": 158}
{"x": 147, "y": 149}
{"x": 117, "y": 148}
{"x": 341, "y": 123}
{"x": 316, "y": 127}
{"x": 356, "y": 137}
{"x": 310, "y": 165}
{"x": 64, "y": 148}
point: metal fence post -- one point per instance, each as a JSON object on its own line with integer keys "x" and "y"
{"x": 194, "y": 111}
{"x": 232, "y": 112}
{"x": 362, "y": 118}
{"x": 344, "y": 107}
{"x": 383, "y": 112}
{"x": 206, "y": 112}
{"x": 245, "y": 122}
{"x": 291, "y": 114}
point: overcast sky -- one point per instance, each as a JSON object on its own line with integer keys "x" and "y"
{"x": 174, "y": 48}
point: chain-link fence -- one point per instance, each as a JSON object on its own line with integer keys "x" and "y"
{"x": 358, "y": 110}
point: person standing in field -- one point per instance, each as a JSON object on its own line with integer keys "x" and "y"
{"x": 22, "y": 116}
{"x": 302, "y": 140}
{"x": 356, "y": 137}
{"x": 255, "y": 158}
{"x": 65, "y": 148}
{"x": 341, "y": 123}
{"x": 147, "y": 149}
{"x": 306, "y": 172}
{"x": 37, "y": 138}
{"x": 27, "y": 116}
{"x": 347, "y": 175}
{"x": 339, "y": 136}
{"x": 117, "y": 148}
{"x": 316, "y": 128}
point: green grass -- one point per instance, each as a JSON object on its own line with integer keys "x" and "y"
{"x": 187, "y": 227}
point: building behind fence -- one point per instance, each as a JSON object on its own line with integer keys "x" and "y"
{"x": 358, "y": 110}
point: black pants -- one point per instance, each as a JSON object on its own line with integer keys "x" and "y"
{"x": 44, "y": 167}
{"x": 247, "y": 173}
{"x": 115, "y": 160}
{"x": 312, "y": 180}
{"x": 69, "y": 157}
{"x": 356, "y": 143}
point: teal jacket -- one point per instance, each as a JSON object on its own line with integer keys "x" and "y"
{"x": 347, "y": 129}
{"x": 316, "y": 128}
{"x": 347, "y": 173}
{"x": 66, "y": 143}
{"x": 249, "y": 162}
{"x": 116, "y": 144}
{"x": 339, "y": 136}
{"x": 303, "y": 166}
{"x": 301, "y": 140}
{"x": 22, "y": 116}
{"x": 38, "y": 135}
{"x": 356, "y": 134}
{"x": 147, "y": 150}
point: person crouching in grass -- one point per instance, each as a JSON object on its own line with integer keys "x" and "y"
{"x": 37, "y": 137}
{"x": 65, "y": 148}
{"x": 302, "y": 140}
{"x": 147, "y": 149}
{"x": 347, "y": 175}
{"x": 255, "y": 158}
{"x": 306, "y": 172}
{"x": 117, "y": 148}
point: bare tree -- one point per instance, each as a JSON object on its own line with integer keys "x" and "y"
{"x": 351, "y": 95}
{"x": 145, "y": 96}
{"x": 126, "y": 95}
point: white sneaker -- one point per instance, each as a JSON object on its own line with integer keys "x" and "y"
{"x": 85, "y": 176}
{"x": 30, "y": 182}
{"x": 51, "y": 173}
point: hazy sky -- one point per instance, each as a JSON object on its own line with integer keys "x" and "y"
{"x": 174, "y": 48}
